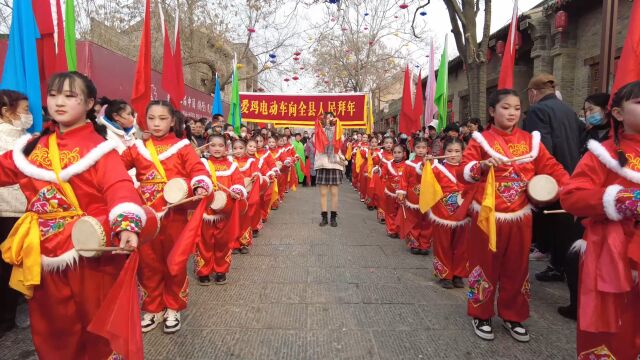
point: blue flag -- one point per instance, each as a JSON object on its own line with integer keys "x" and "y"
{"x": 20, "y": 71}
{"x": 217, "y": 100}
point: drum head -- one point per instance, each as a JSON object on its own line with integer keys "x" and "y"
{"x": 219, "y": 200}
{"x": 543, "y": 189}
{"x": 175, "y": 190}
{"x": 87, "y": 233}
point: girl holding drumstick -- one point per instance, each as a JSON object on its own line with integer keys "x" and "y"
{"x": 250, "y": 172}
{"x": 501, "y": 261}
{"x": 163, "y": 157}
{"x": 67, "y": 172}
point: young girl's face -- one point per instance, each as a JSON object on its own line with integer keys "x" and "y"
{"x": 365, "y": 138}
{"x": 281, "y": 142}
{"x": 629, "y": 115}
{"x": 398, "y": 154}
{"x": 455, "y": 151}
{"x": 217, "y": 148}
{"x": 239, "y": 150}
{"x": 252, "y": 148}
{"x": 506, "y": 114}
{"x": 374, "y": 141}
{"x": 260, "y": 142}
{"x": 420, "y": 149}
{"x": 69, "y": 107}
{"x": 388, "y": 144}
{"x": 272, "y": 143}
{"x": 125, "y": 117}
{"x": 159, "y": 120}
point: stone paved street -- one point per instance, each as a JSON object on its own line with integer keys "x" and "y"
{"x": 350, "y": 292}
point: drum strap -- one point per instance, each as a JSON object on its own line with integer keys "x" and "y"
{"x": 507, "y": 152}
{"x": 214, "y": 179}
{"x": 154, "y": 157}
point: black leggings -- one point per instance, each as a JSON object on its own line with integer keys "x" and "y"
{"x": 8, "y": 296}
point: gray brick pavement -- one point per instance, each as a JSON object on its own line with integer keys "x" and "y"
{"x": 350, "y": 292}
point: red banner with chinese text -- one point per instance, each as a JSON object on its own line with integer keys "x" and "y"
{"x": 301, "y": 110}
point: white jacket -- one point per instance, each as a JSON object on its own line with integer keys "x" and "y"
{"x": 12, "y": 200}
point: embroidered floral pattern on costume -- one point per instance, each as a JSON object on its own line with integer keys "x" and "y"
{"x": 411, "y": 242}
{"x": 511, "y": 191}
{"x": 634, "y": 162}
{"x": 480, "y": 289}
{"x": 220, "y": 167}
{"x": 450, "y": 202}
{"x": 127, "y": 222}
{"x": 162, "y": 148}
{"x": 518, "y": 149}
{"x": 198, "y": 261}
{"x": 628, "y": 203}
{"x": 49, "y": 201}
{"x": 184, "y": 293}
{"x": 228, "y": 257}
{"x": 149, "y": 188}
{"x": 200, "y": 183}
{"x": 526, "y": 289}
{"x": 246, "y": 237}
{"x": 439, "y": 269}
{"x": 142, "y": 293}
{"x": 115, "y": 356}
{"x": 416, "y": 189}
{"x": 599, "y": 353}
{"x": 40, "y": 157}
{"x": 498, "y": 148}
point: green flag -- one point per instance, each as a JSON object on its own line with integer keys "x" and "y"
{"x": 70, "y": 34}
{"x": 235, "y": 112}
{"x": 442, "y": 97}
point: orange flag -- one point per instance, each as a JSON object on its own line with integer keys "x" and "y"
{"x": 487, "y": 215}
{"x": 430, "y": 190}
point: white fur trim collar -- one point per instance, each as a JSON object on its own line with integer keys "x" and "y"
{"x": 445, "y": 171}
{"x": 247, "y": 165}
{"x": 87, "y": 161}
{"x": 605, "y": 157}
{"x": 506, "y": 217}
{"x": 447, "y": 223}
{"x": 59, "y": 263}
{"x": 222, "y": 173}
{"x": 417, "y": 166}
{"x": 535, "y": 147}
{"x": 213, "y": 218}
{"x": 142, "y": 149}
{"x": 262, "y": 159}
{"x": 411, "y": 205}
{"x": 386, "y": 191}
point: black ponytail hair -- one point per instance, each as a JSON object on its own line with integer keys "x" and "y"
{"x": 115, "y": 107}
{"x": 420, "y": 140}
{"x": 450, "y": 140}
{"x": 494, "y": 99}
{"x": 627, "y": 92}
{"x": 217, "y": 136}
{"x": 179, "y": 119}
{"x": 86, "y": 88}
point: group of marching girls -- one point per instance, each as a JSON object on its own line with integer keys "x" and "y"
{"x": 92, "y": 245}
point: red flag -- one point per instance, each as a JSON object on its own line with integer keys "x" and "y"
{"x": 418, "y": 105}
{"x": 46, "y": 44}
{"x": 168, "y": 67}
{"x": 141, "y": 94}
{"x": 320, "y": 137}
{"x": 186, "y": 243}
{"x": 505, "y": 81}
{"x": 406, "y": 109}
{"x": 629, "y": 63}
{"x": 61, "y": 52}
{"x": 178, "y": 94}
{"x": 118, "y": 319}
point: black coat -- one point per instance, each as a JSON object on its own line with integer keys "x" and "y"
{"x": 560, "y": 129}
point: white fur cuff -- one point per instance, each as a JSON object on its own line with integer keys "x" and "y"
{"x": 239, "y": 189}
{"x": 609, "y": 202}
{"x": 201, "y": 180}
{"x": 467, "y": 172}
{"x": 127, "y": 207}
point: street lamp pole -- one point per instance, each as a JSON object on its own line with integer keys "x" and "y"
{"x": 608, "y": 43}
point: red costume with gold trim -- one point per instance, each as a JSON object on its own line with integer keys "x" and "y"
{"x": 363, "y": 174}
{"x": 508, "y": 267}
{"x": 449, "y": 232}
{"x": 160, "y": 289}
{"x": 391, "y": 175}
{"x": 220, "y": 229}
{"x": 268, "y": 168}
{"x": 377, "y": 186}
{"x": 248, "y": 168}
{"x": 609, "y": 296}
{"x": 415, "y": 228}
{"x": 70, "y": 289}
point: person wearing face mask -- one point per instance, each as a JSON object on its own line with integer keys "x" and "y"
{"x": 597, "y": 128}
{"x": 118, "y": 119}
{"x": 14, "y": 120}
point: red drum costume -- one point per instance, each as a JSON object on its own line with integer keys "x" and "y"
{"x": 415, "y": 229}
{"x": 391, "y": 176}
{"x": 248, "y": 168}
{"x": 363, "y": 173}
{"x": 508, "y": 267}
{"x": 292, "y": 156}
{"x": 376, "y": 189}
{"x": 449, "y": 232}
{"x": 283, "y": 179}
{"x": 219, "y": 229}
{"x": 70, "y": 289}
{"x": 609, "y": 296}
{"x": 268, "y": 168}
{"x": 355, "y": 170}
{"x": 278, "y": 155}
{"x": 176, "y": 159}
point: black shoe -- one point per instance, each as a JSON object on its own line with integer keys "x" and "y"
{"x": 371, "y": 208}
{"x": 569, "y": 312}
{"x": 264, "y": 221}
{"x": 334, "y": 222}
{"x": 204, "y": 281}
{"x": 445, "y": 283}
{"x": 425, "y": 252}
{"x": 517, "y": 331}
{"x": 256, "y": 234}
{"x": 483, "y": 329}
{"x": 416, "y": 251}
{"x": 549, "y": 274}
{"x": 458, "y": 282}
{"x": 220, "y": 278}
{"x": 393, "y": 235}
{"x": 244, "y": 250}
{"x": 235, "y": 251}
{"x": 324, "y": 221}
{"x": 382, "y": 221}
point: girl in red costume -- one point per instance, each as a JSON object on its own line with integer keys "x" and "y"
{"x": 367, "y": 180}
{"x": 449, "y": 231}
{"x": 67, "y": 172}
{"x": 252, "y": 152}
{"x": 361, "y": 166}
{"x": 415, "y": 228}
{"x": 268, "y": 168}
{"x": 248, "y": 167}
{"x": 284, "y": 156}
{"x": 220, "y": 229}
{"x": 383, "y": 157}
{"x": 391, "y": 174}
{"x": 276, "y": 153}
{"x": 605, "y": 188}
{"x": 162, "y": 157}
{"x": 506, "y": 268}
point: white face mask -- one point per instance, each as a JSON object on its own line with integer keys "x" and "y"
{"x": 24, "y": 122}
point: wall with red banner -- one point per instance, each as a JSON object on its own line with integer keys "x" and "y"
{"x": 301, "y": 110}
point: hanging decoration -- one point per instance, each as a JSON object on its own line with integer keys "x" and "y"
{"x": 272, "y": 55}
{"x": 489, "y": 55}
{"x": 297, "y": 53}
{"x": 251, "y": 30}
{"x": 423, "y": 13}
{"x": 500, "y": 47}
{"x": 403, "y": 6}
{"x": 295, "y": 77}
{"x": 286, "y": 79}
{"x": 561, "y": 21}
{"x": 296, "y": 58}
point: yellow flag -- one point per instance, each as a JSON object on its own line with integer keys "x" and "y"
{"x": 487, "y": 215}
{"x": 214, "y": 178}
{"x": 359, "y": 161}
{"x": 370, "y": 163}
{"x": 430, "y": 190}
{"x": 349, "y": 152}
{"x": 154, "y": 157}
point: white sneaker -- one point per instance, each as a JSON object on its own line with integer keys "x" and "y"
{"x": 517, "y": 331}
{"x": 150, "y": 321}
{"x": 171, "y": 321}
{"x": 483, "y": 329}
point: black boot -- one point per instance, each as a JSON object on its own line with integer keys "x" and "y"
{"x": 324, "y": 221}
{"x": 334, "y": 215}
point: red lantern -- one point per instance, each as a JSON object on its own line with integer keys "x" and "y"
{"x": 301, "y": 67}
{"x": 297, "y": 53}
{"x": 286, "y": 79}
{"x": 562, "y": 21}
{"x": 295, "y": 77}
{"x": 403, "y": 6}
{"x": 260, "y": 89}
{"x": 371, "y": 43}
{"x": 326, "y": 81}
{"x": 251, "y": 30}
{"x": 489, "y": 55}
{"x": 344, "y": 29}
{"x": 366, "y": 28}
{"x": 518, "y": 40}
{"x": 295, "y": 58}
{"x": 500, "y": 47}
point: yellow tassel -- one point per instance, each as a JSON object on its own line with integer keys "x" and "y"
{"x": 487, "y": 215}
{"x": 349, "y": 151}
{"x": 430, "y": 190}
{"x": 359, "y": 161}
{"x": 370, "y": 163}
